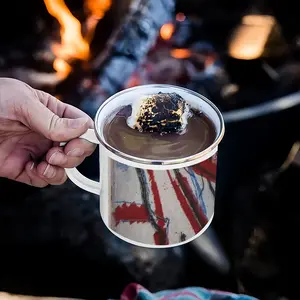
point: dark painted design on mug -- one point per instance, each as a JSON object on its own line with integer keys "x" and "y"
{"x": 188, "y": 186}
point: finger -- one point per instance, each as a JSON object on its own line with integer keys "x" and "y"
{"x": 58, "y": 129}
{"x": 79, "y": 144}
{"x": 72, "y": 155}
{"x": 52, "y": 174}
{"x": 29, "y": 176}
{"x": 60, "y": 108}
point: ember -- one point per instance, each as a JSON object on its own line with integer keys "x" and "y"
{"x": 167, "y": 31}
{"x": 180, "y": 53}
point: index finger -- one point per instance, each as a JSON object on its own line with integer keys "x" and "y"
{"x": 61, "y": 109}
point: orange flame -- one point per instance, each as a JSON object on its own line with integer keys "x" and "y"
{"x": 180, "y": 53}
{"x": 96, "y": 10}
{"x": 98, "y": 7}
{"x": 167, "y": 31}
{"x": 73, "y": 45}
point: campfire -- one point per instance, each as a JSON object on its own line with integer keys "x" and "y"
{"x": 83, "y": 45}
{"x": 92, "y": 50}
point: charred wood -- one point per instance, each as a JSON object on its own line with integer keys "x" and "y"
{"x": 125, "y": 50}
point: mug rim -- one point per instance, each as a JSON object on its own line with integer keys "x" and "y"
{"x": 165, "y": 162}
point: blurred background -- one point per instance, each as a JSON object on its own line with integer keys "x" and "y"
{"x": 242, "y": 55}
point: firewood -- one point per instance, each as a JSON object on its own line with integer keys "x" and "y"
{"x": 128, "y": 46}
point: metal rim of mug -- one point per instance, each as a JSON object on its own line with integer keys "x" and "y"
{"x": 170, "y": 162}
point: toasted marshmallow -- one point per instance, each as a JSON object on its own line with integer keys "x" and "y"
{"x": 163, "y": 113}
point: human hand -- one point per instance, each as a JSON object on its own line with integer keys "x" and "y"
{"x": 32, "y": 123}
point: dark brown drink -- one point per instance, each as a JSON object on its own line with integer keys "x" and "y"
{"x": 199, "y": 134}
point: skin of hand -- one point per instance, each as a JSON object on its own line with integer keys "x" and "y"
{"x": 32, "y": 124}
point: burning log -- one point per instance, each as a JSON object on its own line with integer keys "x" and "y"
{"x": 126, "y": 49}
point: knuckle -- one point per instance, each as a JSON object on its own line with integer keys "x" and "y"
{"x": 56, "y": 157}
{"x": 54, "y": 128}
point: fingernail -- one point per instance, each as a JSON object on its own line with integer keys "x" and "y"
{"x": 77, "y": 123}
{"x": 49, "y": 172}
{"x": 57, "y": 158}
{"x": 32, "y": 166}
{"x": 77, "y": 152}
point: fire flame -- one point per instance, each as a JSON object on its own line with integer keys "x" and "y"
{"x": 73, "y": 45}
{"x": 167, "y": 31}
{"x": 181, "y": 53}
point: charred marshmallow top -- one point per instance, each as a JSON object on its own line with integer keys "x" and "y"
{"x": 162, "y": 113}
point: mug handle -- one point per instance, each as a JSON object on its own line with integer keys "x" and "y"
{"x": 75, "y": 176}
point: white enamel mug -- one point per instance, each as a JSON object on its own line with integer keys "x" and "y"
{"x": 161, "y": 203}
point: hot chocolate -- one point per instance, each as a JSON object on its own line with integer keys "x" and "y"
{"x": 198, "y": 135}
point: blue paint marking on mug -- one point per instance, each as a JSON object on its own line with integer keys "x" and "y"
{"x": 121, "y": 166}
{"x": 198, "y": 189}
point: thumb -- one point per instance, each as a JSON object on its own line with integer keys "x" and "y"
{"x": 55, "y": 128}
{"x": 64, "y": 129}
